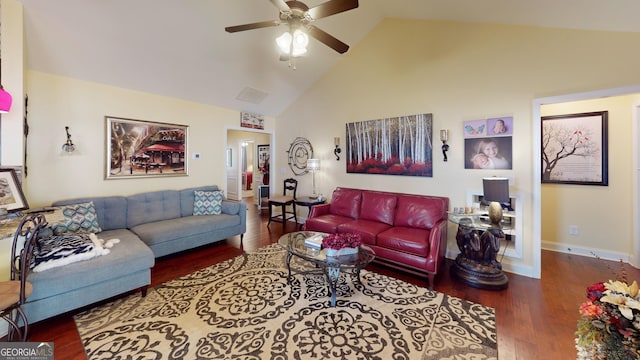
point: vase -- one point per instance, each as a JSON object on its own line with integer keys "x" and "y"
{"x": 343, "y": 251}
{"x": 495, "y": 212}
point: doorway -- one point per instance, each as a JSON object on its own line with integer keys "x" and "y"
{"x": 537, "y": 165}
{"x": 247, "y": 150}
{"x": 242, "y": 173}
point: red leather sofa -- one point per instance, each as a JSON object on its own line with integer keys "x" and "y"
{"x": 407, "y": 232}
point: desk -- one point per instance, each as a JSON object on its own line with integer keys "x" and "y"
{"x": 479, "y": 243}
{"x": 308, "y": 201}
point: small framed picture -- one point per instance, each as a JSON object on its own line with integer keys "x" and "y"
{"x": 11, "y": 196}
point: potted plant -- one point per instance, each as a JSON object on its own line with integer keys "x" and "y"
{"x": 609, "y": 326}
{"x": 341, "y": 244}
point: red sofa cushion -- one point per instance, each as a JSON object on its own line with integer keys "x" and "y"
{"x": 346, "y": 202}
{"x": 421, "y": 212}
{"x": 403, "y": 259}
{"x": 366, "y": 228}
{"x": 325, "y": 223}
{"x": 377, "y": 206}
{"x": 407, "y": 240}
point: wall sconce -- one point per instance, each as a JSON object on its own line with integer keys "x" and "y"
{"x": 5, "y": 101}
{"x": 68, "y": 146}
{"x": 444, "y": 136}
{"x": 313, "y": 165}
{"x": 337, "y": 149}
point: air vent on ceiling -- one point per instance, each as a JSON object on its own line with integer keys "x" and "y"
{"x": 251, "y": 95}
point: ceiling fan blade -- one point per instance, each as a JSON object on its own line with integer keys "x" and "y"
{"x": 281, "y": 4}
{"x": 328, "y": 40}
{"x": 331, "y": 7}
{"x": 252, "y": 26}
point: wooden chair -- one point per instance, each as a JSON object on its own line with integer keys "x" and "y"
{"x": 290, "y": 187}
{"x": 13, "y": 293}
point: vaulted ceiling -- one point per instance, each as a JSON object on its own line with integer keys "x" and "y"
{"x": 178, "y": 48}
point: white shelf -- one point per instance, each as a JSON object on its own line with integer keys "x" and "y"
{"x": 512, "y": 222}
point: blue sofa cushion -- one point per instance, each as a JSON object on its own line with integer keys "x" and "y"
{"x": 187, "y": 198}
{"x": 128, "y": 256}
{"x": 207, "y": 202}
{"x": 170, "y": 230}
{"x": 152, "y": 206}
{"x": 79, "y": 218}
{"x": 111, "y": 210}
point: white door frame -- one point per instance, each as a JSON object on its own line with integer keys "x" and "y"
{"x": 537, "y": 165}
{"x": 272, "y": 160}
{"x": 635, "y": 126}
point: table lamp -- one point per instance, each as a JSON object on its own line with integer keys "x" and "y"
{"x": 313, "y": 165}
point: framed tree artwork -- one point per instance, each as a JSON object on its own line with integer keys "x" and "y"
{"x": 574, "y": 149}
{"x": 400, "y": 145}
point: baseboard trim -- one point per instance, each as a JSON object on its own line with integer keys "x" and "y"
{"x": 587, "y": 251}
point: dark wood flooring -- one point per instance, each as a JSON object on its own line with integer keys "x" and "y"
{"x": 536, "y": 319}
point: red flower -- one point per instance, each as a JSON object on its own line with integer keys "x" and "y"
{"x": 339, "y": 241}
{"x": 595, "y": 291}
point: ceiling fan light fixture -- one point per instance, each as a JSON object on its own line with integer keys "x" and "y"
{"x": 295, "y": 45}
{"x": 300, "y": 40}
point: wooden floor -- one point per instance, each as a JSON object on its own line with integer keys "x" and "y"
{"x": 536, "y": 319}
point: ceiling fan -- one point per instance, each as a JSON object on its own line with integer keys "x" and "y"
{"x": 299, "y": 17}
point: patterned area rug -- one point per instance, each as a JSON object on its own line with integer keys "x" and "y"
{"x": 245, "y": 309}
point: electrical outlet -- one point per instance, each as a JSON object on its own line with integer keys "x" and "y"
{"x": 573, "y": 230}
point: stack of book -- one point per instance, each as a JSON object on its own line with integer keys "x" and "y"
{"x": 314, "y": 242}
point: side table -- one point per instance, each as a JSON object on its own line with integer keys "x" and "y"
{"x": 479, "y": 243}
{"x": 331, "y": 266}
{"x": 308, "y": 201}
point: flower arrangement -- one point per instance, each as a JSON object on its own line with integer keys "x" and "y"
{"x": 341, "y": 241}
{"x": 609, "y": 326}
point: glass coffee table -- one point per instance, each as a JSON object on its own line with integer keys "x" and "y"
{"x": 330, "y": 266}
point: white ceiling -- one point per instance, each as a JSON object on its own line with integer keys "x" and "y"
{"x": 179, "y": 48}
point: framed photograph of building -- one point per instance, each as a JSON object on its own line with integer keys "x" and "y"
{"x": 138, "y": 149}
{"x": 11, "y": 196}
{"x": 574, "y": 149}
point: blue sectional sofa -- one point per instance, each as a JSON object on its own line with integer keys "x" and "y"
{"x": 148, "y": 225}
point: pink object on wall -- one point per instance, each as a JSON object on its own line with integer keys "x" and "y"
{"x": 5, "y": 101}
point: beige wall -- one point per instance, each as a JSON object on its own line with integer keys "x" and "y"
{"x": 458, "y": 72}
{"x": 56, "y": 102}
{"x": 592, "y": 208}
{"x": 13, "y": 66}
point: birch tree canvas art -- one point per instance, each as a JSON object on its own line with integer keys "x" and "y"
{"x": 391, "y": 146}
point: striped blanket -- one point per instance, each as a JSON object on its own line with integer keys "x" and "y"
{"x": 59, "y": 250}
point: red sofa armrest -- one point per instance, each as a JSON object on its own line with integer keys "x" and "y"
{"x": 438, "y": 243}
{"x": 318, "y": 210}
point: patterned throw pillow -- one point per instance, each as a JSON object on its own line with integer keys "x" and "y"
{"x": 78, "y": 219}
{"x": 207, "y": 202}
